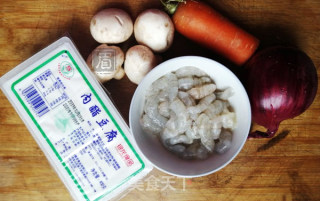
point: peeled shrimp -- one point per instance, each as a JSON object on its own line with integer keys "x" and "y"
{"x": 180, "y": 139}
{"x": 216, "y": 108}
{"x": 202, "y": 105}
{"x": 151, "y": 109}
{"x": 167, "y": 134}
{"x": 195, "y": 150}
{"x": 192, "y": 131}
{"x": 164, "y": 109}
{"x": 181, "y": 117}
{"x": 190, "y": 71}
{"x": 224, "y": 95}
{"x": 202, "y": 91}
{"x": 216, "y": 127}
{"x": 149, "y": 126}
{"x": 186, "y": 98}
{"x": 165, "y": 88}
{"x": 224, "y": 143}
{"x": 178, "y": 149}
{"x": 186, "y": 83}
{"x": 228, "y": 120}
{"x": 163, "y": 83}
{"x": 191, "y": 117}
{"x": 203, "y": 124}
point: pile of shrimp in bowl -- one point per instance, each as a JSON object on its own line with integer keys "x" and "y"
{"x": 190, "y": 116}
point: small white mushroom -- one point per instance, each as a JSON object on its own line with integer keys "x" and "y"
{"x": 154, "y": 29}
{"x": 111, "y": 26}
{"x": 106, "y": 61}
{"x": 139, "y": 61}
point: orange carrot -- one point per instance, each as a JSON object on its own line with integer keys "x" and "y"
{"x": 199, "y": 22}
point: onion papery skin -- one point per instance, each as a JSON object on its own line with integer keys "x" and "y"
{"x": 282, "y": 83}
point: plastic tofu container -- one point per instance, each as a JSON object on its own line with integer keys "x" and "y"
{"x": 75, "y": 123}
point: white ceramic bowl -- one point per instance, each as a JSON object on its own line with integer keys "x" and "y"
{"x": 150, "y": 145}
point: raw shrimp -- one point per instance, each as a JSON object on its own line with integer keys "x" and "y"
{"x": 168, "y": 95}
{"x": 180, "y": 139}
{"x": 172, "y": 93}
{"x": 151, "y": 109}
{"x": 203, "y": 124}
{"x": 202, "y": 105}
{"x": 186, "y": 98}
{"x": 170, "y": 130}
{"x": 178, "y": 149}
{"x": 182, "y": 116}
{"x": 172, "y": 123}
{"x": 228, "y": 120}
{"x": 202, "y": 80}
{"x": 216, "y": 127}
{"x": 164, "y": 88}
{"x": 167, "y": 134}
{"x": 186, "y": 83}
{"x": 163, "y": 83}
{"x": 202, "y": 91}
{"x": 190, "y": 71}
{"x": 216, "y": 108}
{"x": 164, "y": 109}
{"x": 192, "y": 131}
{"x": 224, "y": 95}
{"x": 191, "y": 117}
{"x": 149, "y": 126}
{"x": 224, "y": 143}
{"x": 195, "y": 150}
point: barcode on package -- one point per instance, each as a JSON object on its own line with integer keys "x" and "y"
{"x": 37, "y": 103}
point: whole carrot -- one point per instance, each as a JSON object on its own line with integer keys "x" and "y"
{"x": 199, "y": 22}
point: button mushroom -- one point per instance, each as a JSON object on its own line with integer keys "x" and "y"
{"x": 106, "y": 61}
{"x": 111, "y": 26}
{"x": 154, "y": 29}
{"x": 139, "y": 61}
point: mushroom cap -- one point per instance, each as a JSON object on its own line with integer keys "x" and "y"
{"x": 155, "y": 29}
{"x": 111, "y": 25}
{"x": 139, "y": 61}
{"x": 114, "y": 58}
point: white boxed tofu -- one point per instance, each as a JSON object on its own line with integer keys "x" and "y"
{"x": 74, "y": 122}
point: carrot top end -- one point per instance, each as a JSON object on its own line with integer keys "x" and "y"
{"x": 171, "y": 5}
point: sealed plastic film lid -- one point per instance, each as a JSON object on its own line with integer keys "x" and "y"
{"x": 74, "y": 122}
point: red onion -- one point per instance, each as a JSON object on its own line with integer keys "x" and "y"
{"x": 282, "y": 83}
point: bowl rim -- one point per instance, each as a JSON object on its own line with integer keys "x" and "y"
{"x": 155, "y": 71}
